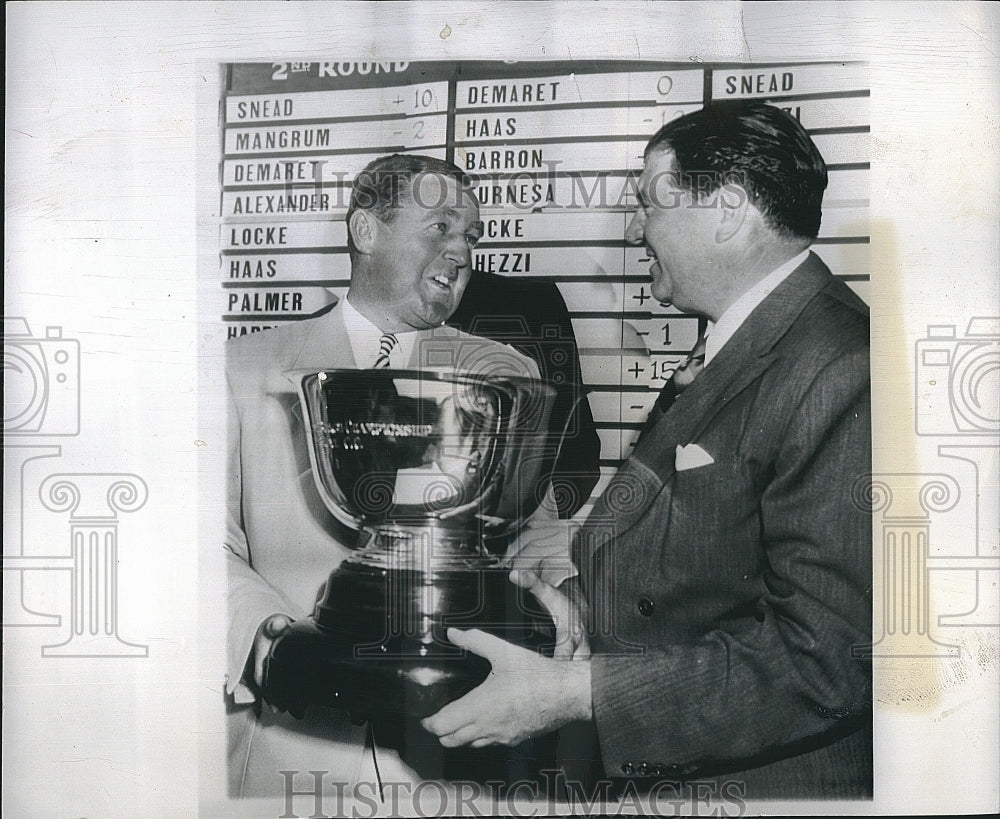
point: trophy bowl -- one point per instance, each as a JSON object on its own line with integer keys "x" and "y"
{"x": 440, "y": 469}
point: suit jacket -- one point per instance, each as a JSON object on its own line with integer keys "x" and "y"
{"x": 282, "y": 542}
{"x": 728, "y": 598}
{"x": 531, "y": 316}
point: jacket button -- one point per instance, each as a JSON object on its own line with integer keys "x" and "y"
{"x": 627, "y": 769}
{"x": 643, "y": 769}
{"x": 645, "y": 607}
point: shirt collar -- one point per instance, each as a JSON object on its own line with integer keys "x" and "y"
{"x": 364, "y": 337}
{"x": 739, "y": 311}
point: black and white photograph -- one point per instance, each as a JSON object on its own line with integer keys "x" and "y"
{"x": 666, "y": 204}
{"x": 501, "y": 409}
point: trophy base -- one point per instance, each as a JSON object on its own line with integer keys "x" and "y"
{"x": 377, "y": 644}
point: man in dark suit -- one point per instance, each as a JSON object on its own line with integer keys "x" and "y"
{"x": 727, "y": 566}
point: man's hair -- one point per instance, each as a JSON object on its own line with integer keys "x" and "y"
{"x": 381, "y": 187}
{"x": 757, "y": 146}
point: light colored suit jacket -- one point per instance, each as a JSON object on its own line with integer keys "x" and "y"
{"x": 736, "y": 588}
{"x": 282, "y": 542}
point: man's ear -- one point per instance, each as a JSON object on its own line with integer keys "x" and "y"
{"x": 362, "y": 228}
{"x": 733, "y": 202}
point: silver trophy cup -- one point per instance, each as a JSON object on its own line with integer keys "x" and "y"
{"x": 440, "y": 469}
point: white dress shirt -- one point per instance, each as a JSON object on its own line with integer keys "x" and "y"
{"x": 366, "y": 338}
{"x": 729, "y": 322}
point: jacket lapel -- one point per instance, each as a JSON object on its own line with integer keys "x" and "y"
{"x": 326, "y": 345}
{"x": 739, "y": 363}
{"x": 433, "y": 348}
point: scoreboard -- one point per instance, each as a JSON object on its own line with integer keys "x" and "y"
{"x": 556, "y": 148}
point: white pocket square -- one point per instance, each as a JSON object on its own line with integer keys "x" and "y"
{"x": 690, "y": 457}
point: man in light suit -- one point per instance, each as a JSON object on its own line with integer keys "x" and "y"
{"x": 727, "y": 567}
{"x": 412, "y": 224}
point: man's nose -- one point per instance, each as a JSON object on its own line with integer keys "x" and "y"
{"x": 634, "y": 233}
{"x": 457, "y": 250}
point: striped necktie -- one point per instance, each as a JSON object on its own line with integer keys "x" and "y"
{"x": 684, "y": 375}
{"x": 678, "y": 382}
{"x": 385, "y": 346}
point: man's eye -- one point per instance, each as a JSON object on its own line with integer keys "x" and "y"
{"x": 472, "y": 239}
{"x": 440, "y": 227}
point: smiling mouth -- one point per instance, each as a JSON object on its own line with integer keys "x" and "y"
{"x": 443, "y": 281}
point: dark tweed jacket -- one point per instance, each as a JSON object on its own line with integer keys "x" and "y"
{"x": 729, "y": 600}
